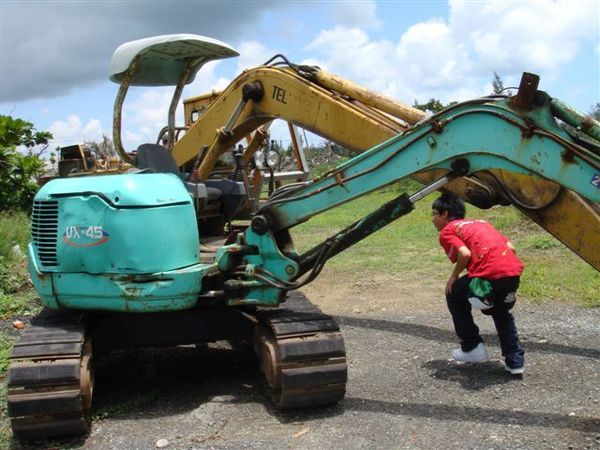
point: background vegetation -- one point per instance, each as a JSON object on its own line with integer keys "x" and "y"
{"x": 21, "y": 148}
{"x": 19, "y": 169}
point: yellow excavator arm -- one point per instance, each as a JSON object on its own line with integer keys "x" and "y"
{"x": 281, "y": 93}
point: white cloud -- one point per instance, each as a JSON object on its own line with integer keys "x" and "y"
{"x": 454, "y": 59}
{"x": 129, "y": 136}
{"x": 73, "y": 131}
{"x": 145, "y": 114}
{"x": 145, "y": 111}
{"x": 428, "y": 55}
{"x": 252, "y": 54}
{"x": 540, "y": 35}
{"x": 150, "y": 106}
{"x": 356, "y": 14}
{"x": 67, "y": 128}
{"x": 92, "y": 128}
{"x": 205, "y": 81}
{"x": 349, "y": 51}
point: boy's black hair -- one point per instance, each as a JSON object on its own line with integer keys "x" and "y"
{"x": 451, "y": 202}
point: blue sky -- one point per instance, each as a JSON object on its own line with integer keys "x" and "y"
{"x": 54, "y": 55}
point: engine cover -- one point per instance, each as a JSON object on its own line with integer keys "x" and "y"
{"x": 122, "y": 239}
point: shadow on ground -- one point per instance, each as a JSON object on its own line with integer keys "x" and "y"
{"x": 135, "y": 384}
{"x": 440, "y": 335}
{"x": 474, "y": 414}
{"x": 471, "y": 377}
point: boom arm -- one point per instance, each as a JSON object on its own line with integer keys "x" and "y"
{"x": 470, "y": 138}
{"x": 487, "y": 136}
{"x": 280, "y": 93}
{"x": 341, "y": 111}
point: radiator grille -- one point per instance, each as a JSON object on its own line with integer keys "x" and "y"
{"x": 44, "y": 231}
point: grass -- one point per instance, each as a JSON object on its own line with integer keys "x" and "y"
{"x": 14, "y": 230}
{"x": 17, "y": 299}
{"x": 14, "y": 235}
{"x": 6, "y": 343}
{"x": 20, "y": 304}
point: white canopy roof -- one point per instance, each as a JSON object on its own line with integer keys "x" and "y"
{"x": 161, "y": 59}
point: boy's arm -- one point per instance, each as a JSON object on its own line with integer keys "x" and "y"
{"x": 462, "y": 259}
{"x": 511, "y": 247}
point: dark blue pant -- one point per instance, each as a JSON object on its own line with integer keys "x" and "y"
{"x": 468, "y": 332}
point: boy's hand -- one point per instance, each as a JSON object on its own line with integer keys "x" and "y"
{"x": 462, "y": 259}
{"x": 450, "y": 283}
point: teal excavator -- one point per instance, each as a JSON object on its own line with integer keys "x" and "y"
{"x": 120, "y": 260}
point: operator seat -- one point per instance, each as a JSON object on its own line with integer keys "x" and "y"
{"x": 158, "y": 159}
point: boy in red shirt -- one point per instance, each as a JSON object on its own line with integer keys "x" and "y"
{"x": 492, "y": 264}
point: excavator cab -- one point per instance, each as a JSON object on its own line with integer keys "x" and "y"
{"x": 170, "y": 60}
{"x": 229, "y": 193}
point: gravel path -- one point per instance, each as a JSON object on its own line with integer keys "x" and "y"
{"x": 403, "y": 391}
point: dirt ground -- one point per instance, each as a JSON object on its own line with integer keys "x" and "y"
{"x": 403, "y": 391}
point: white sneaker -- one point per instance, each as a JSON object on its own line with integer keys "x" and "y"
{"x": 515, "y": 370}
{"x": 478, "y": 354}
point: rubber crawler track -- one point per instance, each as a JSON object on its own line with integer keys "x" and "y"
{"x": 49, "y": 378}
{"x": 50, "y": 381}
{"x": 302, "y": 354}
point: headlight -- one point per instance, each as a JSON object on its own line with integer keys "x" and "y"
{"x": 273, "y": 159}
{"x": 260, "y": 159}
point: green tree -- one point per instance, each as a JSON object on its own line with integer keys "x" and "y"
{"x": 433, "y": 105}
{"x": 497, "y": 84}
{"x": 18, "y": 170}
{"x": 595, "y": 111}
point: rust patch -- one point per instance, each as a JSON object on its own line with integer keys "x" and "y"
{"x": 339, "y": 179}
{"x": 224, "y": 134}
{"x": 44, "y": 276}
{"x": 568, "y": 156}
{"x": 527, "y": 131}
{"x": 137, "y": 278}
{"x": 535, "y": 159}
{"x": 527, "y": 89}
{"x": 587, "y": 124}
{"x": 436, "y": 126}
